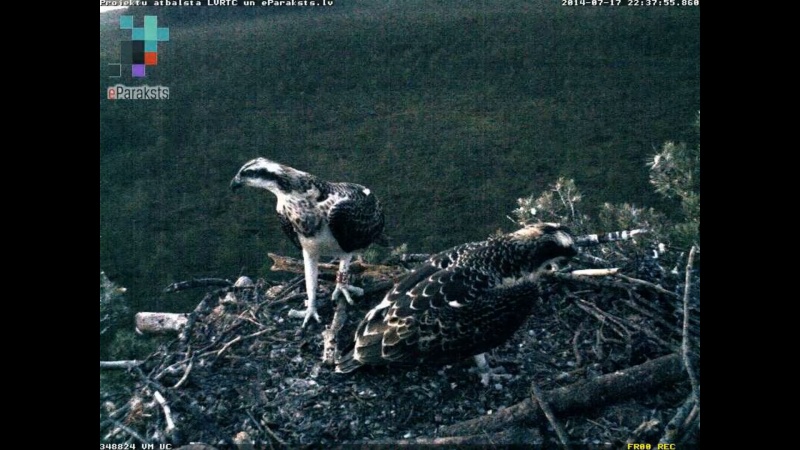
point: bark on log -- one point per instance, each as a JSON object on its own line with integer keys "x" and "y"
{"x": 505, "y": 437}
{"x": 157, "y": 322}
{"x": 604, "y": 390}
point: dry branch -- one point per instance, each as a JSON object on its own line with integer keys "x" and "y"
{"x": 594, "y": 272}
{"x": 506, "y": 437}
{"x": 121, "y": 427}
{"x": 624, "y": 325}
{"x": 185, "y": 375}
{"x": 234, "y": 341}
{"x": 379, "y": 272}
{"x": 675, "y": 427}
{"x": 158, "y": 322}
{"x": 119, "y": 364}
{"x": 647, "y": 284}
{"x": 538, "y": 397}
{"x": 685, "y": 351}
{"x": 197, "y": 282}
{"x": 167, "y": 412}
{"x": 608, "y": 388}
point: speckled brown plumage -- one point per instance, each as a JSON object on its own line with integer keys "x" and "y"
{"x": 460, "y": 302}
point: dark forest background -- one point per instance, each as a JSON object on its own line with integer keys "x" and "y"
{"x": 448, "y": 111}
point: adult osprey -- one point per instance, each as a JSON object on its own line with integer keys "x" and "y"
{"x": 320, "y": 218}
{"x": 461, "y": 302}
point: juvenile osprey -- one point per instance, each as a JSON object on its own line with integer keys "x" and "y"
{"x": 320, "y": 218}
{"x": 461, "y": 302}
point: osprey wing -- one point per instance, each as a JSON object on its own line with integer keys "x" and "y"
{"x": 357, "y": 220}
{"x": 446, "y": 316}
{"x": 288, "y": 230}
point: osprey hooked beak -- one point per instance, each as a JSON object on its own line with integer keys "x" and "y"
{"x": 236, "y": 183}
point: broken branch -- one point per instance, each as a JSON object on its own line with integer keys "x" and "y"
{"x": 615, "y": 386}
{"x": 120, "y": 364}
{"x": 288, "y": 264}
{"x": 538, "y": 397}
{"x": 197, "y": 282}
{"x": 685, "y": 351}
{"x": 167, "y": 412}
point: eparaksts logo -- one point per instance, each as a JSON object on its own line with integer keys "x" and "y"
{"x": 145, "y": 92}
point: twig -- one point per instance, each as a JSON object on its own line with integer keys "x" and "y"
{"x": 364, "y": 402}
{"x": 685, "y": 342}
{"x": 255, "y": 422}
{"x": 259, "y": 427}
{"x": 228, "y": 345}
{"x": 601, "y": 315}
{"x": 121, "y": 411}
{"x": 598, "y": 342}
{"x": 645, "y": 427}
{"x": 172, "y": 369}
{"x": 648, "y": 284}
{"x": 192, "y": 407}
{"x": 595, "y": 272}
{"x": 654, "y": 312}
{"x": 675, "y": 425}
{"x": 167, "y": 413}
{"x": 575, "y": 346}
{"x": 185, "y": 374}
{"x": 275, "y": 436}
{"x": 197, "y": 282}
{"x": 235, "y": 340}
{"x": 287, "y": 289}
{"x": 130, "y": 432}
{"x": 538, "y": 398}
{"x": 120, "y": 364}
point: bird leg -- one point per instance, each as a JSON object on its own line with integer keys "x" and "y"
{"x": 343, "y": 281}
{"x": 486, "y": 373}
{"x": 311, "y": 273}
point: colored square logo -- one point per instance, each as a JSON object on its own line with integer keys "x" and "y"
{"x": 126, "y": 52}
{"x": 137, "y": 70}
{"x": 150, "y": 28}
{"x": 142, "y": 48}
{"x": 137, "y": 52}
{"x": 125, "y": 22}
